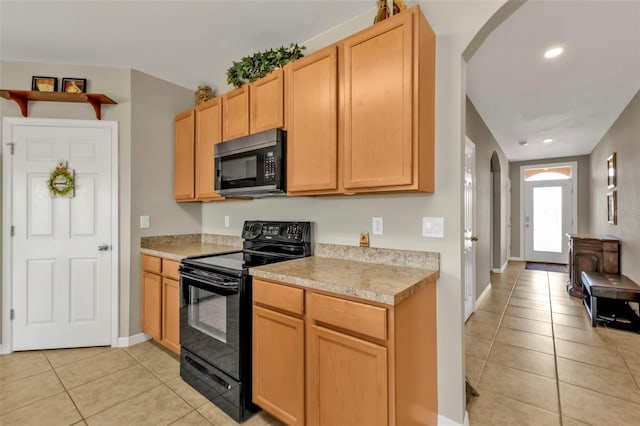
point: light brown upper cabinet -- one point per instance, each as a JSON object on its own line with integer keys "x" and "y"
{"x": 389, "y": 86}
{"x": 184, "y": 153}
{"x": 266, "y": 100}
{"x": 235, "y": 115}
{"x": 312, "y": 123}
{"x": 208, "y": 133}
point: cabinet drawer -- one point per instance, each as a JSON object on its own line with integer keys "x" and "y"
{"x": 151, "y": 263}
{"x": 279, "y": 296}
{"x": 170, "y": 269}
{"x": 360, "y": 318}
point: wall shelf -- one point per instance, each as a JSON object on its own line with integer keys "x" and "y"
{"x": 22, "y": 98}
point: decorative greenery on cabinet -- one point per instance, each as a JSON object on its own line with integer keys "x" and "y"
{"x": 251, "y": 68}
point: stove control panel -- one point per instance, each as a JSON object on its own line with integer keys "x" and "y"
{"x": 292, "y": 232}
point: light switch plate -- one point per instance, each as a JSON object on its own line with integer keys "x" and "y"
{"x": 376, "y": 226}
{"x": 433, "y": 227}
{"x": 144, "y": 222}
{"x": 226, "y": 221}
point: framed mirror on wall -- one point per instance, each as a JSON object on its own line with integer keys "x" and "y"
{"x": 611, "y": 171}
{"x": 612, "y": 204}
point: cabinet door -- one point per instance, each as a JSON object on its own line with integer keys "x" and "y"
{"x": 171, "y": 314}
{"x": 312, "y": 126}
{"x": 235, "y": 115}
{"x": 208, "y": 133}
{"x": 266, "y": 97}
{"x": 278, "y": 365}
{"x": 378, "y": 105}
{"x": 183, "y": 161}
{"x": 347, "y": 380}
{"x": 151, "y": 304}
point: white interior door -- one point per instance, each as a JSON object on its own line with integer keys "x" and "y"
{"x": 61, "y": 277}
{"x": 469, "y": 228}
{"x": 547, "y": 220}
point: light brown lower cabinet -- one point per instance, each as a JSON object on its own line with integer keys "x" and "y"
{"x": 347, "y": 380}
{"x": 171, "y": 314}
{"x": 161, "y": 301}
{"x": 278, "y": 384}
{"x": 326, "y": 360}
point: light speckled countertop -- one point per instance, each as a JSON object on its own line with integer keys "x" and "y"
{"x": 177, "y": 247}
{"x": 179, "y": 252}
{"x": 386, "y": 284}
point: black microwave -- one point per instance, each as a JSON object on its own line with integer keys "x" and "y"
{"x": 251, "y": 166}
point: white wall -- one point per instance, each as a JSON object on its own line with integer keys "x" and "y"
{"x": 621, "y": 138}
{"x": 341, "y": 219}
{"x": 154, "y": 104}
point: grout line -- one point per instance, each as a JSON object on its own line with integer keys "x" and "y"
{"x": 555, "y": 353}
{"x": 493, "y": 339}
{"x": 66, "y": 390}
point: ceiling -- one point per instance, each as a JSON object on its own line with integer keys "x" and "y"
{"x": 573, "y": 99}
{"x": 185, "y": 42}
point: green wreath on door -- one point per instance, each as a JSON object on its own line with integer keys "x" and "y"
{"x": 60, "y": 181}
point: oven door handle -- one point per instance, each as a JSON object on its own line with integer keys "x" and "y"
{"x": 231, "y": 288}
{"x": 207, "y": 373}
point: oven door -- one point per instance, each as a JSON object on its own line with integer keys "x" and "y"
{"x": 210, "y": 318}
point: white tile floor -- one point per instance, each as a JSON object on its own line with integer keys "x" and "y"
{"x": 139, "y": 385}
{"x": 535, "y": 359}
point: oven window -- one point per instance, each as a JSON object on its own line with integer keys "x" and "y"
{"x": 207, "y": 312}
{"x": 239, "y": 172}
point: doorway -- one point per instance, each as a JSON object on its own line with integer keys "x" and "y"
{"x": 469, "y": 228}
{"x": 549, "y": 208}
{"x": 60, "y": 258}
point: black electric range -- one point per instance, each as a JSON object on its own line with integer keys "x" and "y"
{"x": 215, "y": 312}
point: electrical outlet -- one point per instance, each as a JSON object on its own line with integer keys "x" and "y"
{"x": 433, "y": 227}
{"x": 144, "y": 222}
{"x": 376, "y": 226}
{"x": 226, "y": 221}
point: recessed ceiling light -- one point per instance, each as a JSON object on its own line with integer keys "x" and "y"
{"x": 547, "y": 140}
{"x": 553, "y": 52}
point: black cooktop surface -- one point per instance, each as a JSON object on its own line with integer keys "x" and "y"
{"x": 235, "y": 262}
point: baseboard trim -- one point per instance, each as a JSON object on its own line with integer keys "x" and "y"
{"x": 2, "y": 350}
{"x": 517, "y": 259}
{"x": 502, "y": 268}
{"x": 484, "y": 292}
{"x": 124, "y": 342}
{"x": 446, "y": 421}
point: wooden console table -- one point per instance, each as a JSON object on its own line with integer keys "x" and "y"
{"x": 591, "y": 253}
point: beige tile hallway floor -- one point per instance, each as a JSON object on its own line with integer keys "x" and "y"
{"x": 535, "y": 359}
{"x": 139, "y": 385}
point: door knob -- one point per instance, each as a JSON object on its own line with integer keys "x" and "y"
{"x": 103, "y": 247}
{"x": 474, "y": 238}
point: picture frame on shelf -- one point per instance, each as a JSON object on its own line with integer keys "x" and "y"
{"x": 612, "y": 207}
{"x": 612, "y": 178}
{"x": 44, "y": 84}
{"x": 73, "y": 85}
